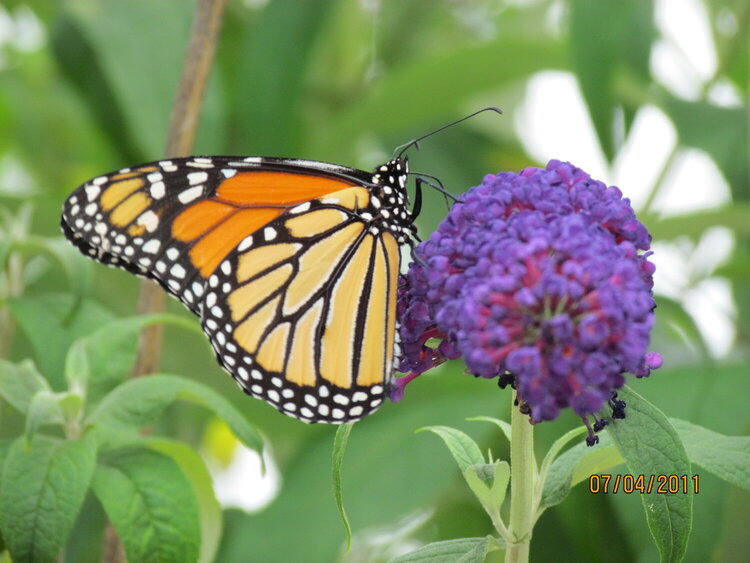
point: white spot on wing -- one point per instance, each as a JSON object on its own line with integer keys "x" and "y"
{"x": 177, "y": 271}
{"x": 246, "y": 243}
{"x": 150, "y": 220}
{"x": 197, "y": 177}
{"x": 300, "y": 208}
{"x": 151, "y": 246}
{"x": 92, "y": 192}
{"x": 158, "y": 190}
{"x": 190, "y": 194}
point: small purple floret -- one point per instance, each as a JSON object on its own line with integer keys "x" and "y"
{"x": 544, "y": 274}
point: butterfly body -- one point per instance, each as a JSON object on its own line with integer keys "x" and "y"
{"x": 292, "y": 266}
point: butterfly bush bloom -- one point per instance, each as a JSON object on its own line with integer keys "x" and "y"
{"x": 541, "y": 279}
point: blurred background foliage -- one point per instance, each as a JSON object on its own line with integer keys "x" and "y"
{"x": 86, "y": 87}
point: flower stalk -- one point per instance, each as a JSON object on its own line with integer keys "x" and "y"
{"x": 523, "y": 479}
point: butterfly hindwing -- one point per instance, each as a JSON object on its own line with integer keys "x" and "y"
{"x": 306, "y": 320}
{"x": 292, "y": 266}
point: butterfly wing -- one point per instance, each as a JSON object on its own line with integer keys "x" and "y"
{"x": 294, "y": 282}
{"x": 304, "y": 314}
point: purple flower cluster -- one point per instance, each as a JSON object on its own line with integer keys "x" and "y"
{"x": 541, "y": 278}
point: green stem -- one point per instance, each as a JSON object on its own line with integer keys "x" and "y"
{"x": 523, "y": 476}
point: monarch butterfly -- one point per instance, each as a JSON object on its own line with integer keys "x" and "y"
{"x": 292, "y": 266}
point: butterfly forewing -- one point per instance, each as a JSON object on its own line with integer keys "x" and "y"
{"x": 292, "y": 266}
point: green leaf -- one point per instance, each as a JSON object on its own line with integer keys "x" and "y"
{"x": 4, "y": 447}
{"x": 64, "y": 255}
{"x": 651, "y": 446}
{"x": 111, "y": 350}
{"x": 693, "y": 225}
{"x": 489, "y": 482}
{"x": 77, "y": 370}
{"x": 141, "y": 401}
{"x": 464, "y": 550}
{"x": 504, "y": 426}
{"x": 577, "y": 464}
{"x": 727, "y": 457}
{"x": 151, "y": 504}
{"x": 41, "y": 492}
{"x": 464, "y": 450}
{"x": 728, "y": 142}
{"x": 71, "y": 405}
{"x": 339, "y": 447}
{"x": 272, "y": 117}
{"x": 80, "y": 64}
{"x": 43, "y": 409}
{"x": 47, "y": 322}
{"x": 128, "y": 67}
{"x": 602, "y": 52}
{"x": 683, "y": 327}
{"x": 556, "y": 448}
{"x": 194, "y": 468}
{"x": 596, "y": 461}
{"x": 473, "y": 69}
{"x": 19, "y": 383}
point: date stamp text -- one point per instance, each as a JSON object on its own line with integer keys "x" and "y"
{"x": 644, "y": 484}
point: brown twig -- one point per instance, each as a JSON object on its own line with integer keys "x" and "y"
{"x": 183, "y": 123}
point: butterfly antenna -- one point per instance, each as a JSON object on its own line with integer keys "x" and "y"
{"x": 415, "y": 143}
{"x": 435, "y": 184}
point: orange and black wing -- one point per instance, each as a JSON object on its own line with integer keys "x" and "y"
{"x": 291, "y": 265}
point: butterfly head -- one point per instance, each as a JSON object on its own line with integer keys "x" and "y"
{"x": 391, "y": 198}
